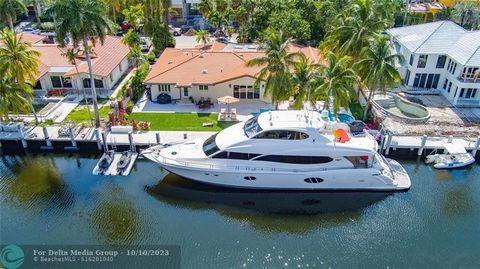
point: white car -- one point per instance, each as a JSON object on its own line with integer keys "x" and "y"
{"x": 146, "y": 43}
{"x": 176, "y": 31}
{"x": 31, "y": 30}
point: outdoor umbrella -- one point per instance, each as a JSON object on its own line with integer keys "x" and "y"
{"x": 228, "y": 100}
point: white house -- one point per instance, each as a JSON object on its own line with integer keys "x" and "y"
{"x": 442, "y": 57}
{"x": 57, "y": 75}
{"x": 212, "y": 71}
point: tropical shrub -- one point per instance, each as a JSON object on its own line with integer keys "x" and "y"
{"x": 137, "y": 81}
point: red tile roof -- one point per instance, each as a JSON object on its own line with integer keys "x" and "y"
{"x": 32, "y": 38}
{"x": 186, "y": 67}
{"x": 107, "y": 57}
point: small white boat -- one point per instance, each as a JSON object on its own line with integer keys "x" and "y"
{"x": 455, "y": 157}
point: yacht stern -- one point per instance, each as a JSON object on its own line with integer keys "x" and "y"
{"x": 400, "y": 176}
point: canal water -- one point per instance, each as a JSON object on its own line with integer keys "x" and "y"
{"x": 54, "y": 199}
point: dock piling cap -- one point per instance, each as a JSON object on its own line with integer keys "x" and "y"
{"x": 341, "y": 135}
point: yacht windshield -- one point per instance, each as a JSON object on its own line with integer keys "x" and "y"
{"x": 252, "y": 127}
{"x": 209, "y": 146}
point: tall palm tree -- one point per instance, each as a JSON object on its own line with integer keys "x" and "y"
{"x": 9, "y": 9}
{"x": 115, "y": 8}
{"x": 377, "y": 68}
{"x": 303, "y": 79}
{"x": 335, "y": 82}
{"x": 205, "y": 7}
{"x": 363, "y": 22}
{"x": 275, "y": 66}
{"x": 19, "y": 63}
{"x": 12, "y": 98}
{"x": 72, "y": 54}
{"x": 202, "y": 36}
{"x": 82, "y": 22}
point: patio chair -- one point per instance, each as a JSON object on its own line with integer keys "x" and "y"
{"x": 223, "y": 111}
{"x": 234, "y": 111}
{"x": 222, "y": 117}
{"x": 233, "y": 116}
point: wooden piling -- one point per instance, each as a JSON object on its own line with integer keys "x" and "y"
{"x": 98, "y": 138}
{"x": 477, "y": 146}
{"x": 130, "y": 141}
{"x": 22, "y": 137}
{"x": 422, "y": 145}
{"x": 157, "y": 136}
{"x": 389, "y": 143}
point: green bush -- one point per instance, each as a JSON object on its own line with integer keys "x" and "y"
{"x": 137, "y": 81}
{"x": 123, "y": 90}
{"x": 47, "y": 26}
{"x": 151, "y": 56}
{"x": 129, "y": 107}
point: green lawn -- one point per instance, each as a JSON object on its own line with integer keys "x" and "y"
{"x": 80, "y": 115}
{"x": 180, "y": 121}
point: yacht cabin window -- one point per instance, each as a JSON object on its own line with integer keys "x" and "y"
{"x": 282, "y": 134}
{"x": 252, "y": 127}
{"x": 209, "y": 146}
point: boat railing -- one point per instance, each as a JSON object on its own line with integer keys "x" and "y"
{"x": 211, "y": 166}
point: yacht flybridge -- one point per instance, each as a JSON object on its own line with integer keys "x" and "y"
{"x": 285, "y": 150}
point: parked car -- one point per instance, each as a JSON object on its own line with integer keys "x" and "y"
{"x": 31, "y": 30}
{"x": 176, "y": 31}
{"x": 146, "y": 43}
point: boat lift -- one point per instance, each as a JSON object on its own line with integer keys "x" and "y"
{"x": 114, "y": 163}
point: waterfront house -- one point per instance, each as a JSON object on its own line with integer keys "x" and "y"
{"x": 440, "y": 57}
{"x": 211, "y": 71}
{"x": 58, "y": 76}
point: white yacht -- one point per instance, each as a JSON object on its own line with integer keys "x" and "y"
{"x": 284, "y": 150}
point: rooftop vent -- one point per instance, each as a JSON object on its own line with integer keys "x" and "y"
{"x": 204, "y": 71}
{"x": 170, "y": 62}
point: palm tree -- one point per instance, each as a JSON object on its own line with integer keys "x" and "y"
{"x": 131, "y": 39}
{"x": 83, "y": 21}
{"x": 335, "y": 82}
{"x": 134, "y": 15}
{"x": 377, "y": 69}
{"x": 9, "y": 9}
{"x": 460, "y": 12}
{"x": 205, "y": 7}
{"x": 303, "y": 79}
{"x": 275, "y": 66}
{"x": 202, "y": 36}
{"x": 72, "y": 54}
{"x": 136, "y": 56}
{"x": 12, "y": 98}
{"x": 115, "y": 8}
{"x": 19, "y": 63}
{"x": 357, "y": 28}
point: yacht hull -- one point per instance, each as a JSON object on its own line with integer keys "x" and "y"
{"x": 333, "y": 180}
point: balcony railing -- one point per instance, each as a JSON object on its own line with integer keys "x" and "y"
{"x": 468, "y": 80}
{"x": 468, "y": 102}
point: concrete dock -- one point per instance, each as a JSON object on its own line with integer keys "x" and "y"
{"x": 40, "y": 138}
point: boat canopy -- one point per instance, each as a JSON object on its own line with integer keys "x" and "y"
{"x": 454, "y": 148}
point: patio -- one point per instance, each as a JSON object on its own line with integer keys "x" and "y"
{"x": 145, "y": 105}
